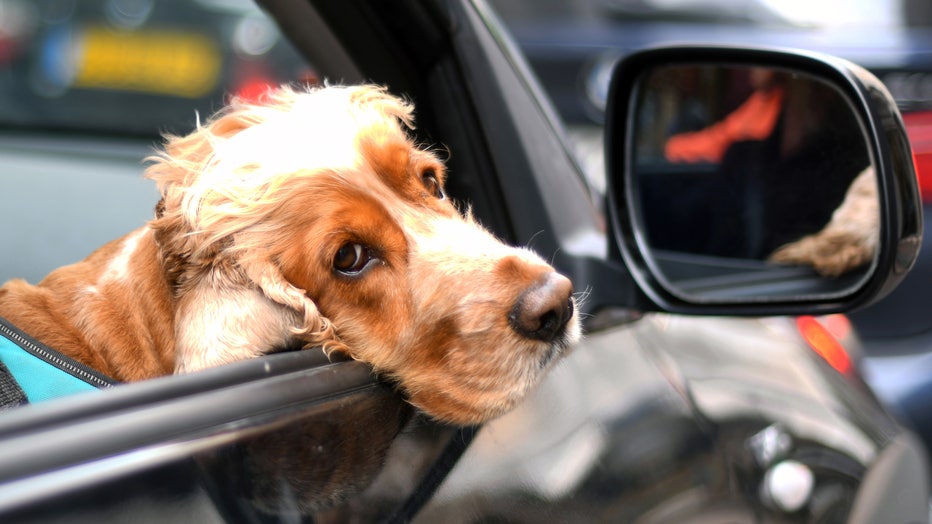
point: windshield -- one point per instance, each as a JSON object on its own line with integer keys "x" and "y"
{"x": 134, "y": 66}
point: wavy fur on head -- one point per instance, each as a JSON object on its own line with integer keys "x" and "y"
{"x": 312, "y": 219}
{"x": 222, "y": 187}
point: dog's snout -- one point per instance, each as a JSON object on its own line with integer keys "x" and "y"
{"x": 544, "y": 309}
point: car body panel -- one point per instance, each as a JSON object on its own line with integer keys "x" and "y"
{"x": 668, "y": 434}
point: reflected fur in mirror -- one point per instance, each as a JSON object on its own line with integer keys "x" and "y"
{"x": 850, "y": 238}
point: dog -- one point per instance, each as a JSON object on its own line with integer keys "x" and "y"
{"x": 311, "y": 219}
{"x": 850, "y": 238}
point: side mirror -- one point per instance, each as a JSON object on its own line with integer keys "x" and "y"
{"x": 755, "y": 181}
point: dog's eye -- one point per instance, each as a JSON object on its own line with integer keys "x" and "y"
{"x": 429, "y": 178}
{"x": 352, "y": 258}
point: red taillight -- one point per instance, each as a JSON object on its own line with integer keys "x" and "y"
{"x": 254, "y": 90}
{"x": 823, "y": 340}
{"x": 919, "y": 129}
{"x": 256, "y": 82}
{"x": 838, "y": 325}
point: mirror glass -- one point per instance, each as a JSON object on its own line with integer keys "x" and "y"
{"x": 750, "y": 181}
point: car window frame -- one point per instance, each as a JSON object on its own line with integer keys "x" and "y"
{"x": 155, "y": 422}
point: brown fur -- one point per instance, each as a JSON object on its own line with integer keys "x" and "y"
{"x": 257, "y": 207}
{"x": 850, "y": 238}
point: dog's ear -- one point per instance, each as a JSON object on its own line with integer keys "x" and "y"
{"x": 174, "y": 248}
{"x": 314, "y": 329}
{"x": 169, "y": 235}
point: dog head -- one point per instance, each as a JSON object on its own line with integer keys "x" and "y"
{"x": 314, "y": 218}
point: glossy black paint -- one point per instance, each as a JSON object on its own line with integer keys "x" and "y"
{"x": 686, "y": 434}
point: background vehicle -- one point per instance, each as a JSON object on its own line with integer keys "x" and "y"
{"x": 571, "y": 46}
{"x": 659, "y": 417}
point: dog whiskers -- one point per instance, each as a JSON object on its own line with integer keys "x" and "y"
{"x": 581, "y": 297}
{"x": 530, "y": 241}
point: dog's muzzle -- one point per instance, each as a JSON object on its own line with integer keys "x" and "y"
{"x": 544, "y": 309}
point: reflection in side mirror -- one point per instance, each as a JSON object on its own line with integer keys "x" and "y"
{"x": 750, "y": 181}
{"x": 848, "y": 241}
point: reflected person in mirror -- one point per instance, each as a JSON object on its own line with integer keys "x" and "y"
{"x": 754, "y": 119}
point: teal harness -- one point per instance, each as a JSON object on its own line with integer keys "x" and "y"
{"x": 32, "y": 372}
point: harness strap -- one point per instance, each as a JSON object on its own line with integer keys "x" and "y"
{"x": 11, "y": 395}
{"x": 39, "y": 372}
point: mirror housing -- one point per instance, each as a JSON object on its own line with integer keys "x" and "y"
{"x": 700, "y": 280}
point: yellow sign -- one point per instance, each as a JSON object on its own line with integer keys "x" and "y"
{"x": 162, "y": 62}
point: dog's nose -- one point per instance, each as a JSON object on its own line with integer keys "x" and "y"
{"x": 544, "y": 309}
